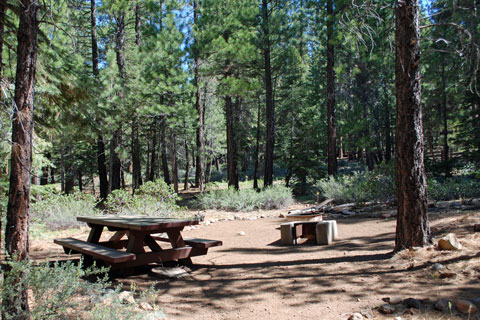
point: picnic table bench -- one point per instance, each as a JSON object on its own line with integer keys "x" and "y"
{"x": 135, "y": 243}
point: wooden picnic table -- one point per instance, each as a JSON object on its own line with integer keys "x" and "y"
{"x": 134, "y": 242}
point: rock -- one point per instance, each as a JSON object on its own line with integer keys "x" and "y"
{"x": 238, "y": 218}
{"x": 466, "y": 307}
{"x": 230, "y": 218}
{"x": 126, "y": 297}
{"x": 241, "y": 233}
{"x": 443, "y": 305}
{"x": 145, "y": 306}
{"x": 449, "y": 242}
{"x": 445, "y": 275}
{"x": 282, "y": 215}
{"x": 412, "y": 303}
{"x": 172, "y": 273}
{"x": 438, "y": 266}
{"x": 356, "y": 316}
{"x": 386, "y": 309}
{"x": 393, "y": 300}
{"x": 367, "y": 313}
{"x": 262, "y": 216}
{"x": 476, "y": 227}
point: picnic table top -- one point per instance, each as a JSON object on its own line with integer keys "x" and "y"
{"x": 141, "y": 223}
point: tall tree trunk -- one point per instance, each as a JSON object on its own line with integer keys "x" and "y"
{"x": 232, "y": 172}
{"x": 208, "y": 171}
{"x": 331, "y": 121}
{"x": 412, "y": 220}
{"x": 173, "y": 158}
{"x": 62, "y": 168}
{"x": 102, "y": 168}
{"x": 15, "y": 302}
{"x": 257, "y": 149}
{"x": 115, "y": 163}
{"x": 3, "y": 10}
{"x": 101, "y": 159}
{"x": 199, "y": 167}
{"x": 444, "y": 118}
{"x": 270, "y": 107}
{"x": 163, "y": 146}
{"x": 153, "y": 154}
{"x": 136, "y": 162}
{"x": 187, "y": 166}
{"x": 115, "y": 142}
{"x": 80, "y": 182}
{"x": 231, "y": 144}
{"x": 45, "y": 171}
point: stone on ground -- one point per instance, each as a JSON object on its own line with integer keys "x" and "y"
{"x": 466, "y": 307}
{"x": 172, "y": 273}
{"x": 443, "y": 305}
{"x": 449, "y": 242}
{"x": 386, "y": 309}
{"x": 356, "y": 316}
{"x": 412, "y": 303}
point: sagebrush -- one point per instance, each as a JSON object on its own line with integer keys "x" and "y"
{"x": 272, "y": 197}
{"x": 60, "y": 291}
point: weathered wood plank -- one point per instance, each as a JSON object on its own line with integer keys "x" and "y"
{"x": 194, "y": 242}
{"x": 95, "y": 250}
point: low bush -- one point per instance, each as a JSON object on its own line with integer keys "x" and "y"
{"x": 453, "y": 188}
{"x": 60, "y": 292}
{"x": 273, "y": 197}
{"x": 377, "y": 185}
{"x": 152, "y": 199}
{"x": 60, "y": 211}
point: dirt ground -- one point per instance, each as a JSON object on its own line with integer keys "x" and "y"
{"x": 252, "y": 276}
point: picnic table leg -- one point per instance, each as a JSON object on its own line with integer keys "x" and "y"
{"x": 176, "y": 241}
{"x": 135, "y": 242}
{"x": 93, "y": 237}
{"x": 95, "y": 233}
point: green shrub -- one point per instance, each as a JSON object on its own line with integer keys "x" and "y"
{"x": 273, "y": 197}
{"x": 377, "y": 185}
{"x": 152, "y": 199}
{"x": 59, "y": 292}
{"x": 59, "y": 211}
{"x": 453, "y": 188}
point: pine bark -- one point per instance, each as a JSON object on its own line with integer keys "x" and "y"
{"x": 412, "y": 220}
{"x": 231, "y": 144}
{"x": 270, "y": 107}
{"x": 257, "y": 149}
{"x": 101, "y": 159}
{"x": 173, "y": 158}
{"x": 153, "y": 150}
{"x": 136, "y": 162}
{"x": 18, "y": 208}
{"x": 199, "y": 163}
{"x": 3, "y": 10}
{"x": 331, "y": 120}
{"x": 187, "y": 167}
{"x": 115, "y": 142}
{"x": 444, "y": 118}
{"x": 163, "y": 147}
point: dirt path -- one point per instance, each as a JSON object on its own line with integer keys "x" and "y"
{"x": 253, "y": 276}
